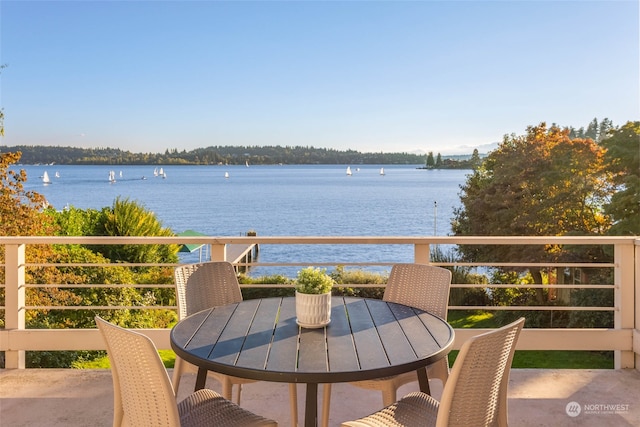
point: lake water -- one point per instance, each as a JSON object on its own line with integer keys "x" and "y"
{"x": 287, "y": 200}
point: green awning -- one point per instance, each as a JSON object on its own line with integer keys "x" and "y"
{"x": 190, "y": 247}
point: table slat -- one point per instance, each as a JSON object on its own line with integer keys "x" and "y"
{"x": 284, "y": 354}
{"x": 371, "y": 352}
{"x": 421, "y": 340}
{"x": 390, "y": 331}
{"x": 212, "y": 326}
{"x": 233, "y": 336}
{"x": 312, "y": 352}
{"x": 255, "y": 349}
{"x": 342, "y": 354}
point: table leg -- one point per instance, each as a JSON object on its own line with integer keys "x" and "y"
{"x": 423, "y": 380}
{"x": 201, "y": 379}
{"x": 311, "y": 406}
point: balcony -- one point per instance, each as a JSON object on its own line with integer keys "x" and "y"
{"x": 537, "y": 396}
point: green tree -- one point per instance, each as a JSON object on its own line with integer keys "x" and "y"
{"x": 430, "y": 160}
{"x": 475, "y": 161}
{"x": 623, "y": 160}
{"x": 129, "y": 218}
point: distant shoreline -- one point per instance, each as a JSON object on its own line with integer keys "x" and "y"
{"x": 227, "y": 155}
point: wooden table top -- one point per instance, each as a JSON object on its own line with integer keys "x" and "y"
{"x": 259, "y": 339}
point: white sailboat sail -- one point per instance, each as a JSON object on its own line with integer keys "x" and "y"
{"x": 381, "y": 171}
{"x": 45, "y": 178}
{"x": 349, "y": 170}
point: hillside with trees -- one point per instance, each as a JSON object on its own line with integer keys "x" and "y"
{"x": 232, "y": 155}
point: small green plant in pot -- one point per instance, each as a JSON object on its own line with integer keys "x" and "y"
{"x": 313, "y": 297}
{"x": 313, "y": 281}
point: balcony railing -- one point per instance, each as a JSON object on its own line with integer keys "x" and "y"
{"x": 623, "y": 339}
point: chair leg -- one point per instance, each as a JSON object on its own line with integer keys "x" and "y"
{"x": 238, "y": 394}
{"x": 227, "y": 389}
{"x": 326, "y": 404}
{"x": 439, "y": 370}
{"x": 388, "y": 396}
{"x": 178, "y": 367}
{"x": 293, "y": 402}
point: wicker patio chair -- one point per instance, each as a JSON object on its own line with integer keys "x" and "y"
{"x": 475, "y": 394}
{"x": 417, "y": 285}
{"x": 143, "y": 395}
{"x": 199, "y": 287}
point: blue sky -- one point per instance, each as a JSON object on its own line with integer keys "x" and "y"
{"x": 439, "y": 76}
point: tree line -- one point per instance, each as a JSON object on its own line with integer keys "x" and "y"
{"x": 231, "y": 155}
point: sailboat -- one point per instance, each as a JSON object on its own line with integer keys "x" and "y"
{"x": 348, "y": 170}
{"x": 112, "y": 176}
{"x": 226, "y": 174}
{"x": 381, "y": 171}
{"x": 57, "y": 175}
{"x": 246, "y": 163}
{"x": 155, "y": 172}
{"x": 45, "y": 178}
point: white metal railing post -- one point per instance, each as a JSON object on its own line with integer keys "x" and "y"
{"x": 14, "y": 300}
{"x": 624, "y": 299}
{"x": 422, "y": 253}
{"x": 218, "y": 252}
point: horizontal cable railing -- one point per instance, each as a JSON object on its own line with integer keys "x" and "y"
{"x": 15, "y": 338}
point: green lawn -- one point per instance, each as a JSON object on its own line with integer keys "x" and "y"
{"x": 458, "y": 319}
{"x": 168, "y": 358}
{"x": 556, "y": 359}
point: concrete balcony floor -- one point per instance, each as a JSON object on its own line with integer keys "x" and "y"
{"x": 537, "y": 397}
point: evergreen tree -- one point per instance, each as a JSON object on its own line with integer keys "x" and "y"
{"x": 430, "y": 161}
{"x": 623, "y": 160}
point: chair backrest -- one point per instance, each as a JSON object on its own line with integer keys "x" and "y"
{"x": 205, "y": 285}
{"x": 420, "y": 285}
{"x": 143, "y": 395}
{"x": 476, "y": 392}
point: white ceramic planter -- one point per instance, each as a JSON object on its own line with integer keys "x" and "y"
{"x": 313, "y": 310}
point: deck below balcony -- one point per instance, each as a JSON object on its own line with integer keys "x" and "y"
{"x": 537, "y": 397}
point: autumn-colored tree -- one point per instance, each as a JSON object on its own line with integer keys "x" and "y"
{"x": 24, "y": 213}
{"x": 623, "y": 160}
{"x": 540, "y": 184}
{"x": 21, "y": 214}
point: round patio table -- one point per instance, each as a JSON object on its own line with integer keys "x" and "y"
{"x": 259, "y": 339}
